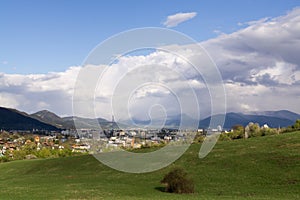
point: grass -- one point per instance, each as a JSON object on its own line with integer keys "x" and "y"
{"x": 256, "y": 168}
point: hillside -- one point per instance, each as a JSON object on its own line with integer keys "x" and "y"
{"x": 49, "y": 118}
{"x": 274, "y": 119}
{"x": 284, "y": 114}
{"x": 256, "y": 168}
{"x": 11, "y": 119}
{"x": 68, "y": 122}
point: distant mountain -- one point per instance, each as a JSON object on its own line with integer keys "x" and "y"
{"x": 285, "y": 114}
{"x": 88, "y": 123}
{"x": 170, "y": 122}
{"x": 274, "y": 119}
{"x": 49, "y": 118}
{"x": 271, "y": 118}
{"x": 69, "y": 122}
{"x": 11, "y": 119}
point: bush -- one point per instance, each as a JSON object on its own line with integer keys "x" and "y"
{"x": 176, "y": 181}
{"x": 44, "y": 153}
{"x": 268, "y": 131}
{"x": 18, "y": 154}
{"x": 4, "y": 159}
{"x": 253, "y": 130}
{"x": 199, "y": 139}
{"x": 237, "y": 133}
{"x": 224, "y": 137}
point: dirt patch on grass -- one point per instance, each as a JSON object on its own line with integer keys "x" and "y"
{"x": 292, "y": 181}
{"x": 283, "y": 161}
{"x": 296, "y": 145}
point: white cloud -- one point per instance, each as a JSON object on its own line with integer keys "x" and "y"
{"x": 35, "y": 92}
{"x": 10, "y": 100}
{"x": 260, "y": 66}
{"x": 282, "y": 73}
{"x": 158, "y": 78}
{"x": 260, "y": 63}
{"x": 174, "y": 20}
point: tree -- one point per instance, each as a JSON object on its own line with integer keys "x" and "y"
{"x": 44, "y": 153}
{"x": 237, "y": 133}
{"x": 253, "y": 129}
{"x": 19, "y": 155}
{"x": 296, "y": 126}
{"x": 4, "y": 159}
{"x": 267, "y": 131}
{"x": 224, "y": 137}
{"x": 29, "y": 148}
{"x": 177, "y": 181}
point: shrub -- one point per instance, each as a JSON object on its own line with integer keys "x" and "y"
{"x": 253, "y": 130}
{"x": 4, "y": 159}
{"x": 176, "y": 181}
{"x": 18, "y": 154}
{"x": 224, "y": 137}
{"x": 268, "y": 131}
{"x": 296, "y": 126}
{"x": 44, "y": 153}
{"x": 199, "y": 139}
{"x": 237, "y": 133}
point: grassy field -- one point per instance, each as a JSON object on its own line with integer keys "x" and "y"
{"x": 256, "y": 168}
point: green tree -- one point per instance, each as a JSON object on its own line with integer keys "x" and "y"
{"x": 268, "y": 131}
{"x": 224, "y": 137}
{"x": 29, "y": 148}
{"x": 253, "y": 129}
{"x": 296, "y": 126}
{"x": 237, "y": 133}
{"x": 19, "y": 154}
{"x": 44, "y": 153}
{"x": 4, "y": 159}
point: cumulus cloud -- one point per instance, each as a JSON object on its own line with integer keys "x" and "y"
{"x": 259, "y": 64}
{"x": 35, "y": 92}
{"x": 10, "y": 100}
{"x": 160, "y": 78}
{"x": 174, "y": 20}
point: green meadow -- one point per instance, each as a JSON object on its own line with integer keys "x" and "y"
{"x": 256, "y": 168}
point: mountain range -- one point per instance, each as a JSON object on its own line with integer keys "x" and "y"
{"x": 69, "y": 122}
{"x": 12, "y": 119}
{"x": 274, "y": 119}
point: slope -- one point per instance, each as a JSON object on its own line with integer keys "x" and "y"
{"x": 256, "y": 168}
{"x": 232, "y": 119}
{"x": 11, "y": 119}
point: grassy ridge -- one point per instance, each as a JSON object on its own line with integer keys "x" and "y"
{"x": 256, "y": 168}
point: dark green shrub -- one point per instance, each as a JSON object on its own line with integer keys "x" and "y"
{"x": 224, "y": 137}
{"x": 177, "y": 181}
{"x": 19, "y": 155}
{"x": 237, "y": 133}
{"x": 4, "y": 159}
{"x": 268, "y": 131}
{"x": 199, "y": 139}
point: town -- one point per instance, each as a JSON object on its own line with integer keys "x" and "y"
{"x": 17, "y": 145}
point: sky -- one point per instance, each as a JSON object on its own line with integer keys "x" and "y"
{"x": 43, "y": 45}
{"x": 43, "y": 36}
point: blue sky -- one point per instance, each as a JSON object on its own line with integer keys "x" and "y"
{"x": 45, "y": 36}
